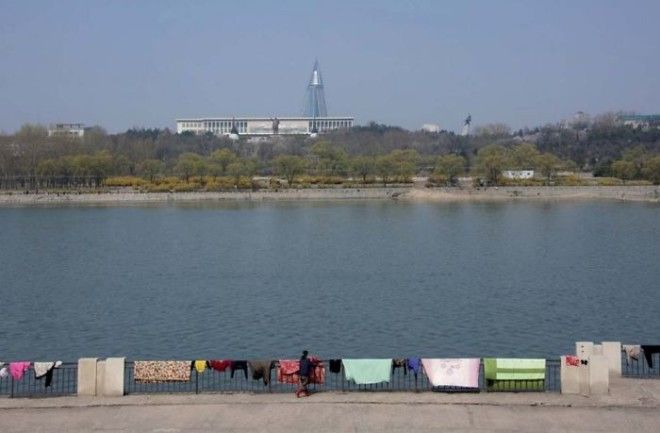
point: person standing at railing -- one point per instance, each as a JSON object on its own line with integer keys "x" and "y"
{"x": 306, "y": 367}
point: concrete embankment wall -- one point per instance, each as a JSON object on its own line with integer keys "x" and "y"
{"x": 625, "y": 193}
{"x": 137, "y": 197}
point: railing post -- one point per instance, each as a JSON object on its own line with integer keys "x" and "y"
{"x": 196, "y": 381}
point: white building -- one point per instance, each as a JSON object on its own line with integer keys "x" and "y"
{"x": 263, "y": 125}
{"x": 518, "y": 174}
{"x": 641, "y": 120}
{"x": 431, "y": 127}
{"x": 66, "y": 129}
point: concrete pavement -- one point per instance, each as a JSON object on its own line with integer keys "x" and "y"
{"x": 633, "y": 405}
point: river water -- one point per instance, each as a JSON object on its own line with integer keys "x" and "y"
{"x": 358, "y": 279}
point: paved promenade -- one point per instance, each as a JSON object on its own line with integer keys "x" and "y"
{"x": 632, "y": 406}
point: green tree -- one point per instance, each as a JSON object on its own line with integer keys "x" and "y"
{"x": 450, "y": 167}
{"x": 151, "y": 168}
{"x": 101, "y": 166}
{"x": 241, "y": 167}
{"x": 652, "y": 170}
{"x": 289, "y": 166}
{"x": 624, "y": 170}
{"x": 219, "y": 160}
{"x": 638, "y": 156}
{"x": 491, "y": 160}
{"x": 405, "y": 162}
{"x": 524, "y": 156}
{"x": 548, "y": 164}
{"x": 363, "y": 166}
{"x": 187, "y": 165}
{"x": 386, "y": 167}
{"x": 47, "y": 169}
{"x": 329, "y": 159}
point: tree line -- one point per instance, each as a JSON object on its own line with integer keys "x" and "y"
{"x": 29, "y": 158}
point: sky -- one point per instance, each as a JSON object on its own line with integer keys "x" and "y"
{"x": 122, "y": 64}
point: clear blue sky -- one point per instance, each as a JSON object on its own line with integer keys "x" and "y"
{"x": 144, "y": 63}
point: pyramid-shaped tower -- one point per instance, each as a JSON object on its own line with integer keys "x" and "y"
{"x": 315, "y": 96}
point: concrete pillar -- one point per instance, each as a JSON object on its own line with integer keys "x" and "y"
{"x": 113, "y": 378}
{"x": 584, "y": 349}
{"x": 570, "y": 378}
{"x": 612, "y": 351}
{"x": 100, "y": 377}
{"x": 599, "y": 375}
{"x": 87, "y": 376}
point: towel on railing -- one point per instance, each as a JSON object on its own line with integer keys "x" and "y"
{"x": 261, "y": 369}
{"x": 220, "y": 364}
{"x": 334, "y": 365}
{"x": 238, "y": 365}
{"x": 3, "y": 372}
{"x": 200, "y": 366}
{"x": 414, "y": 365}
{"x": 45, "y": 369}
{"x": 288, "y": 369}
{"x": 514, "y": 369}
{"x": 400, "y": 363}
{"x": 572, "y": 361}
{"x": 161, "y": 371}
{"x": 461, "y": 372}
{"x": 18, "y": 369}
{"x": 632, "y": 351}
{"x": 367, "y": 371}
{"x": 649, "y": 350}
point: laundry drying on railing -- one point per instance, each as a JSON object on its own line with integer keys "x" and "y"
{"x": 461, "y": 373}
{"x": 161, "y": 371}
{"x": 42, "y": 370}
{"x": 287, "y": 371}
{"x": 507, "y": 374}
{"x": 367, "y": 371}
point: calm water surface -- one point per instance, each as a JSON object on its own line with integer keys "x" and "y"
{"x": 369, "y": 279}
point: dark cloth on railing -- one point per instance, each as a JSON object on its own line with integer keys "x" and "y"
{"x": 335, "y": 365}
{"x": 220, "y": 364}
{"x": 649, "y": 350}
{"x": 414, "y": 365}
{"x": 239, "y": 365}
{"x": 261, "y": 369}
{"x": 45, "y": 370}
{"x": 400, "y": 363}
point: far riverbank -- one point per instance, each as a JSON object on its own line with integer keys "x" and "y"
{"x": 622, "y": 193}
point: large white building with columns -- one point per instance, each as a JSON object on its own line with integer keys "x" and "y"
{"x": 263, "y": 125}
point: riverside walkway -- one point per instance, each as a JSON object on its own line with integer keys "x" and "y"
{"x": 632, "y": 405}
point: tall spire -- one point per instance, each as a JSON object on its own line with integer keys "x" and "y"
{"x": 315, "y": 96}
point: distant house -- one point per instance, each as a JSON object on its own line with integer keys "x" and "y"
{"x": 641, "y": 120}
{"x": 66, "y": 129}
{"x": 518, "y": 174}
{"x": 431, "y": 127}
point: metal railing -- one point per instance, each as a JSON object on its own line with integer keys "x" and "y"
{"x": 65, "y": 381}
{"x": 639, "y": 368}
{"x": 212, "y": 381}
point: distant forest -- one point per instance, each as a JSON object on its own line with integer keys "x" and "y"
{"x": 30, "y": 158}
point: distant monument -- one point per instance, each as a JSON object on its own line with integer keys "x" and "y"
{"x": 466, "y": 126}
{"x": 315, "y": 95}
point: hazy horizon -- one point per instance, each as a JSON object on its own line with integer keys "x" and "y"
{"x": 120, "y": 64}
